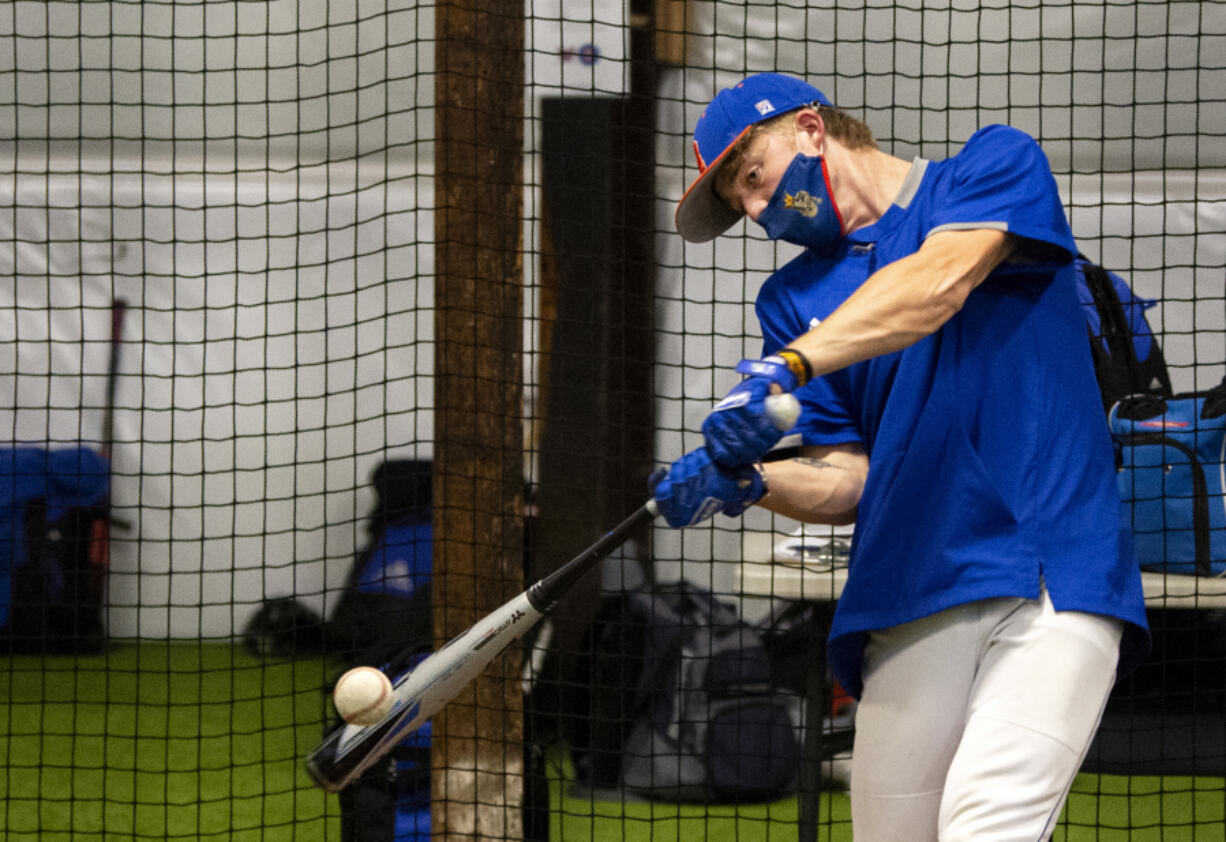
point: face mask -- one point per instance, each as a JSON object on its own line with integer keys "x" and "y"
{"x": 801, "y": 210}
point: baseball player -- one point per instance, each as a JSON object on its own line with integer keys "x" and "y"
{"x": 932, "y": 333}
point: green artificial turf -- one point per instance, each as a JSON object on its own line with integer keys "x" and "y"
{"x": 188, "y": 740}
{"x": 161, "y": 740}
{"x": 1114, "y": 808}
{"x": 1101, "y": 808}
{"x": 577, "y": 817}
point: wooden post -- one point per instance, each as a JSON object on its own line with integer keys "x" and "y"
{"x": 670, "y": 23}
{"x": 477, "y": 752}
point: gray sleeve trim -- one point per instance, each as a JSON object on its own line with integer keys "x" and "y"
{"x": 969, "y": 226}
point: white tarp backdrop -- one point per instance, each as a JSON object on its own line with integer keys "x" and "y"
{"x": 256, "y": 180}
{"x": 277, "y": 346}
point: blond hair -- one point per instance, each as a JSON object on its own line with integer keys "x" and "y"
{"x": 847, "y": 130}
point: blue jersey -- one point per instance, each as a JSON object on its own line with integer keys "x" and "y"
{"x": 990, "y": 463}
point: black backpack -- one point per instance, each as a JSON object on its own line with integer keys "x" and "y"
{"x": 683, "y": 704}
{"x": 1127, "y": 357}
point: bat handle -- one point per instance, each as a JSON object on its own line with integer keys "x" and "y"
{"x": 118, "y": 308}
{"x": 783, "y": 411}
{"x": 545, "y": 593}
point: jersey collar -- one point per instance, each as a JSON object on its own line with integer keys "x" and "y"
{"x": 898, "y": 208}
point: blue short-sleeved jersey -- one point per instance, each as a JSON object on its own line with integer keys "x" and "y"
{"x": 990, "y": 465}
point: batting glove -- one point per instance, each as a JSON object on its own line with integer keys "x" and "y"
{"x": 739, "y": 430}
{"x": 695, "y": 488}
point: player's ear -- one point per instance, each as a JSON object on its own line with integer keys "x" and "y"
{"x": 810, "y": 129}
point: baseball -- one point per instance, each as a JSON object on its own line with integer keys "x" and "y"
{"x": 363, "y": 696}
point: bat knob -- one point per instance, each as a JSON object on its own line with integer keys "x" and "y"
{"x": 783, "y": 410}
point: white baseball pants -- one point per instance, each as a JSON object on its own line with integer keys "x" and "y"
{"x": 974, "y": 721}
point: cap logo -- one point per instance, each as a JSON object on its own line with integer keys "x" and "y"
{"x": 802, "y": 202}
{"x": 764, "y": 106}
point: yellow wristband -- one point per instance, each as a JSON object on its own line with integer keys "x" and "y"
{"x": 797, "y": 364}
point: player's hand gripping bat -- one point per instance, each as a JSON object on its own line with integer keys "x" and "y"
{"x": 349, "y": 750}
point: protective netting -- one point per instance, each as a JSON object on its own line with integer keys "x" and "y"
{"x": 335, "y": 285}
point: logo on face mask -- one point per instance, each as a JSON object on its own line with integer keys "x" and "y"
{"x": 803, "y": 202}
{"x": 816, "y": 222}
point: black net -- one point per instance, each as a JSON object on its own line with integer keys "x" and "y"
{"x": 306, "y": 305}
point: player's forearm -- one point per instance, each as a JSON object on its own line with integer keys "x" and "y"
{"x": 886, "y": 315}
{"x": 904, "y": 301}
{"x": 814, "y": 490}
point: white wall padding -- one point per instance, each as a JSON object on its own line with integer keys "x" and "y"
{"x": 278, "y": 346}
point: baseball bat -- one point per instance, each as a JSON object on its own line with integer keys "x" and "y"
{"x": 119, "y": 307}
{"x": 100, "y": 529}
{"x": 349, "y": 750}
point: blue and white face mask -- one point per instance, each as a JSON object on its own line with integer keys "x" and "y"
{"x": 801, "y": 210}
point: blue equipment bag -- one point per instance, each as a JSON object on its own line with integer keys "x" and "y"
{"x": 1171, "y": 456}
{"x": 386, "y": 615}
{"x": 385, "y": 619}
{"x": 53, "y": 553}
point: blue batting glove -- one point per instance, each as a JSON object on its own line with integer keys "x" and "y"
{"x": 695, "y": 488}
{"x": 739, "y": 430}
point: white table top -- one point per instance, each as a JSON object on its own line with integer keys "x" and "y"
{"x": 774, "y": 565}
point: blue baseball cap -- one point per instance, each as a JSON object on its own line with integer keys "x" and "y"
{"x": 701, "y": 214}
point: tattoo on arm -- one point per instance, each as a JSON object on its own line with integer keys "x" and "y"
{"x": 814, "y": 462}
